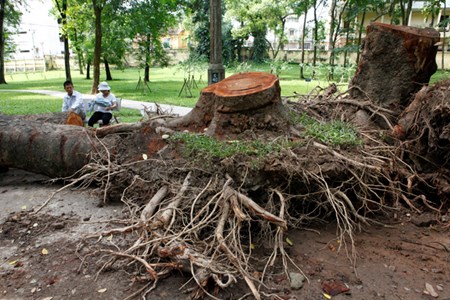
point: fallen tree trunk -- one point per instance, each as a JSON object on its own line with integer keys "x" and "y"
{"x": 44, "y": 148}
{"x": 60, "y": 118}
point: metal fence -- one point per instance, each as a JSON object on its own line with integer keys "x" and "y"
{"x": 25, "y": 65}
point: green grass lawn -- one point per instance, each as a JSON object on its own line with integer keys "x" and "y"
{"x": 165, "y": 86}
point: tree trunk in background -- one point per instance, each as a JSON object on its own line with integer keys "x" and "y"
{"x": 107, "y": 70}
{"x": 147, "y": 58}
{"x": 361, "y": 27}
{"x": 88, "y": 70}
{"x": 331, "y": 39}
{"x": 302, "y": 66}
{"x": 98, "y": 45}
{"x": 63, "y": 14}
{"x": 79, "y": 54}
{"x": 408, "y": 12}
{"x": 67, "y": 58}
{"x": 2, "y": 42}
{"x": 316, "y": 32}
{"x": 396, "y": 61}
{"x": 444, "y": 42}
{"x": 147, "y": 73}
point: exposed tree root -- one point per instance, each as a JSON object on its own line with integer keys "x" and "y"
{"x": 207, "y": 219}
{"x": 207, "y": 224}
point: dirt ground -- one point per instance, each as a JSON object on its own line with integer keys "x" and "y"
{"x": 410, "y": 259}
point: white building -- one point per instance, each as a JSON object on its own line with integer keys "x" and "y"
{"x": 38, "y": 32}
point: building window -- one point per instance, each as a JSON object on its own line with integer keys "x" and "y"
{"x": 443, "y": 22}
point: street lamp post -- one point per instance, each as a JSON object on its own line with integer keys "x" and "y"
{"x": 216, "y": 72}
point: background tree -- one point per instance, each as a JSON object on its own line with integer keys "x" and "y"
{"x": 198, "y": 25}
{"x": 301, "y": 8}
{"x": 232, "y": 46}
{"x": 431, "y": 9}
{"x": 405, "y": 8}
{"x": 150, "y": 20}
{"x": 253, "y": 23}
{"x": 336, "y": 12}
{"x": 61, "y": 7}
{"x": 98, "y": 6}
{"x": 443, "y": 25}
{"x": 115, "y": 41}
{"x": 256, "y": 18}
{"x": 9, "y": 20}
{"x": 79, "y": 30}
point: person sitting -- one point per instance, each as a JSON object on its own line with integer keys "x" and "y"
{"x": 104, "y": 102}
{"x": 73, "y": 100}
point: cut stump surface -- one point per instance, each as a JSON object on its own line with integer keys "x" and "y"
{"x": 240, "y": 102}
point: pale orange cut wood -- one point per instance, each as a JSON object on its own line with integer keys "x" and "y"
{"x": 244, "y": 101}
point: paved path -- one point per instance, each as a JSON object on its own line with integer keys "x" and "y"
{"x": 140, "y": 105}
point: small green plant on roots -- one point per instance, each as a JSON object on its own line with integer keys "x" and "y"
{"x": 335, "y": 133}
{"x": 208, "y": 148}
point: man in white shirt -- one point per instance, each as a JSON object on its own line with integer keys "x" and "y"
{"x": 73, "y": 100}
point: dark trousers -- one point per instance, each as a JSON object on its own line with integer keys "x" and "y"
{"x": 105, "y": 117}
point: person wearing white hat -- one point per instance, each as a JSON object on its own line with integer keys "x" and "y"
{"x": 104, "y": 102}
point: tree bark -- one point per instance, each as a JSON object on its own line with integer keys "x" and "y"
{"x": 238, "y": 103}
{"x": 66, "y": 41}
{"x": 396, "y": 61}
{"x": 50, "y": 149}
{"x": 2, "y": 42}
{"x": 98, "y": 44}
{"x": 61, "y": 118}
{"x": 107, "y": 70}
{"x": 302, "y": 66}
{"x": 88, "y": 70}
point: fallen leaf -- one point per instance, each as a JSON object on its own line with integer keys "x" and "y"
{"x": 334, "y": 287}
{"x": 144, "y": 156}
{"x": 47, "y": 298}
{"x": 109, "y": 238}
{"x": 327, "y": 296}
{"x": 11, "y": 263}
{"x": 44, "y": 251}
{"x": 289, "y": 242}
{"x": 252, "y": 246}
{"x": 101, "y": 290}
{"x": 24, "y": 207}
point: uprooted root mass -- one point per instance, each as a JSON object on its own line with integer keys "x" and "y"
{"x": 206, "y": 215}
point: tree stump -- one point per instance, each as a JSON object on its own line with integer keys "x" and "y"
{"x": 245, "y": 101}
{"x": 396, "y": 61}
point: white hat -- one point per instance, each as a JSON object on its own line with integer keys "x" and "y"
{"x": 103, "y": 86}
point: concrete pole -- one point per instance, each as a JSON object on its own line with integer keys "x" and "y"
{"x": 216, "y": 72}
